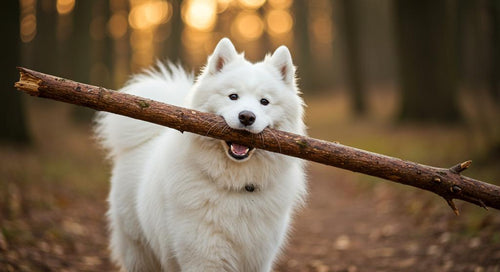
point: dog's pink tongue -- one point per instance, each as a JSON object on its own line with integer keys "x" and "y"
{"x": 239, "y": 149}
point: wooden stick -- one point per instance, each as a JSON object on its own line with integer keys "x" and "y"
{"x": 447, "y": 183}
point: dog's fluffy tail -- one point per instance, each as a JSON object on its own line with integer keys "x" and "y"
{"x": 166, "y": 83}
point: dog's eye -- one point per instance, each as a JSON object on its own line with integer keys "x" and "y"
{"x": 233, "y": 96}
{"x": 264, "y": 101}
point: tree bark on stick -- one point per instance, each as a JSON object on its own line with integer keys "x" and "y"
{"x": 445, "y": 182}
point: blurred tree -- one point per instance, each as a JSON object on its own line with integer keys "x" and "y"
{"x": 12, "y": 118}
{"x": 81, "y": 41}
{"x": 64, "y": 59}
{"x": 495, "y": 67}
{"x": 426, "y": 39}
{"x": 45, "y": 40}
{"x": 352, "y": 59}
{"x": 479, "y": 47}
{"x": 84, "y": 51}
{"x": 479, "y": 29}
{"x": 101, "y": 44}
{"x": 302, "y": 39}
{"x": 174, "y": 44}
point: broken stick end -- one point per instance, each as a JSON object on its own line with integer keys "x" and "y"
{"x": 27, "y": 83}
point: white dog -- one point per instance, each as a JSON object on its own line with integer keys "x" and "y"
{"x": 184, "y": 202}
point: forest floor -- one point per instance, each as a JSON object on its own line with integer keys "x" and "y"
{"x": 53, "y": 200}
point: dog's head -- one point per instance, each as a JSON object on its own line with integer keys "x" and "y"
{"x": 249, "y": 96}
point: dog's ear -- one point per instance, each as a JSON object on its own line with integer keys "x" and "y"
{"x": 282, "y": 60}
{"x": 223, "y": 54}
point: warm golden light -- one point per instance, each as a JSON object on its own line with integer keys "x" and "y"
{"x": 248, "y": 26}
{"x": 149, "y": 14}
{"x": 117, "y": 25}
{"x": 65, "y": 6}
{"x": 280, "y": 4}
{"x": 222, "y": 5}
{"x": 158, "y": 12}
{"x": 28, "y": 28}
{"x": 252, "y": 4}
{"x": 141, "y": 59}
{"x": 27, "y": 3}
{"x": 279, "y": 22}
{"x": 198, "y": 43}
{"x": 141, "y": 40}
{"x": 200, "y": 14}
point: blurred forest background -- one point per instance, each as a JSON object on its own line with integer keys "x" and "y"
{"x": 417, "y": 79}
{"x": 429, "y": 53}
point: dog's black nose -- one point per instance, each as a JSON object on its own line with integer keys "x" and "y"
{"x": 246, "y": 118}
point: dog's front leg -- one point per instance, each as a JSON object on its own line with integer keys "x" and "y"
{"x": 204, "y": 249}
{"x": 199, "y": 245}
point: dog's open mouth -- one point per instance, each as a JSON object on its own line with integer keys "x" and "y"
{"x": 237, "y": 151}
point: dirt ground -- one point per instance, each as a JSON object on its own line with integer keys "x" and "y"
{"x": 53, "y": 205}
{"x": 344, "y": 228}
{"x": 341, "y": 229}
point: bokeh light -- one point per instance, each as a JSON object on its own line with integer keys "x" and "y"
{"x": 149, "y": 14}
{"x": 223, "y": 5}
{"x": 252, "y": 4}
{"x": 248, "y": 26}
{"x": 280, "y": 4}
{"x": 200, "y": 14}
{"x": 279, "y": 22}
{"x": 65, "y": 6}
{"x": 28, "y": 28}
{"x": 117, "y": 25}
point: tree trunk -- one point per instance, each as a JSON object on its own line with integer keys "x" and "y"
{"x": 352, "y": 58}
{"x": 426, "y": 37}
{"x": 174, "y": 42}
{"x": 85, "y": 51}
{"x": 81, "y": 41}
{"x": 46, "y": 39}
{"x": 302, "y": 39}
{"x": 12, "y": 119}
{"x": 494, "y": 85}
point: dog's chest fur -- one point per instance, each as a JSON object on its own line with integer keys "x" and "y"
{"x": 243, "y": 227}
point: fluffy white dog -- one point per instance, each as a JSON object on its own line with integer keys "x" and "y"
{"x": 184, "y": 202}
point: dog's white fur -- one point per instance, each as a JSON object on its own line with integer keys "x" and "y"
{"x": 178, "y": 201}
